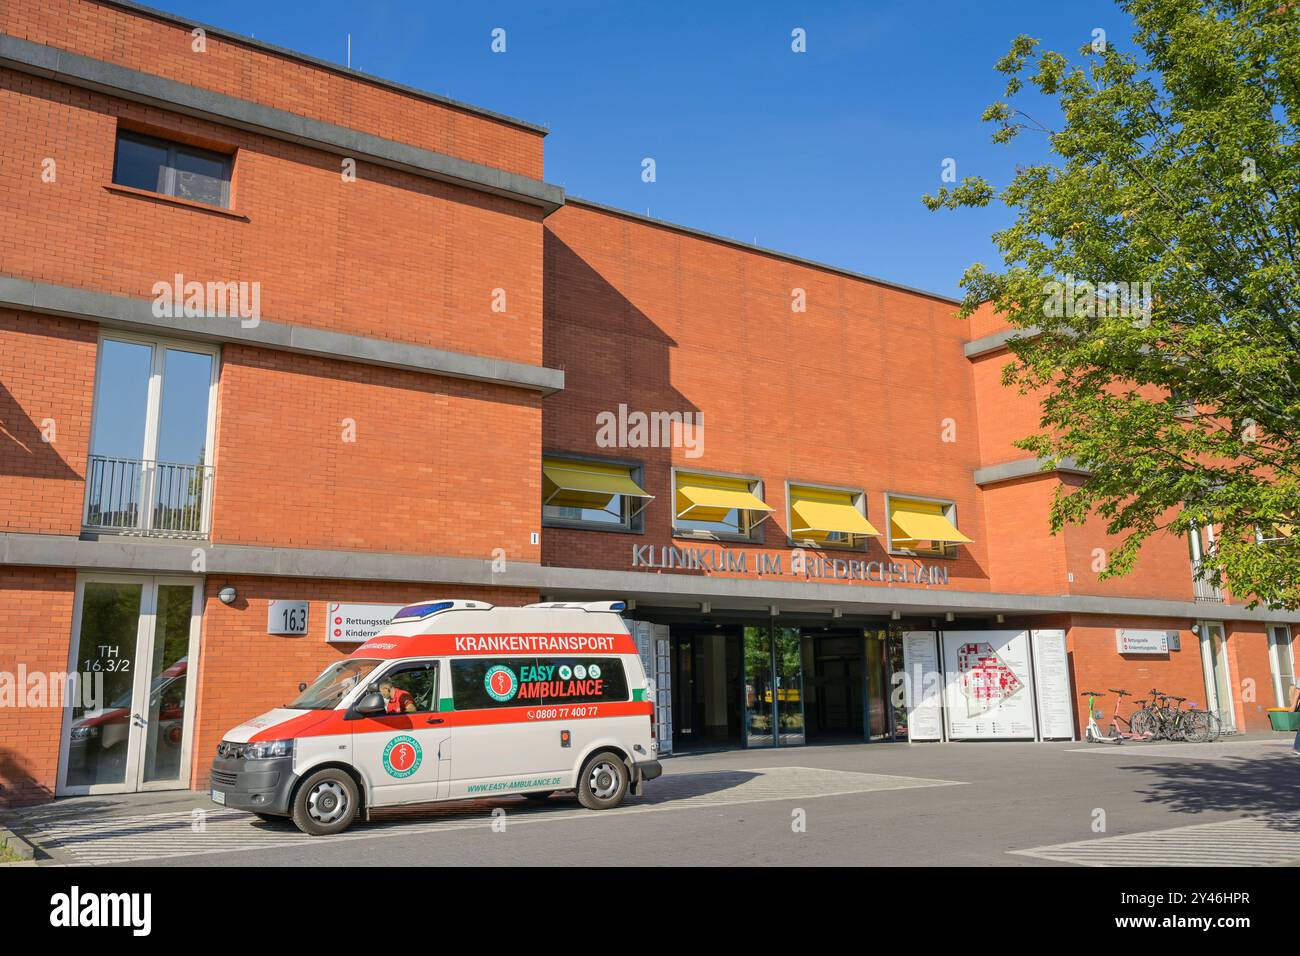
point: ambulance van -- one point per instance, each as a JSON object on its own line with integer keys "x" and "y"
{"x": 453, "y": 700}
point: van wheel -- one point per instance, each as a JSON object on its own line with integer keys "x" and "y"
{"x": 603, "y": 782}
{"x": 326, "y": 803}
{"x": 538, "y": 796}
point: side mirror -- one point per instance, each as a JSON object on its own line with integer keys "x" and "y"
{"x": 372, "y": 703}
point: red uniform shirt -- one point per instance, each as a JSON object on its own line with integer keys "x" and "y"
{"x": 397, "y": 703}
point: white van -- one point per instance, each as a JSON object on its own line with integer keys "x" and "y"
{"x": 453, "y": 700}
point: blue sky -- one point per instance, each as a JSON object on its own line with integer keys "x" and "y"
{"x": 823, "y": 154}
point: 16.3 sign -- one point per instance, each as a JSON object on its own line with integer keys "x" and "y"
{"x": 287, "y": 617}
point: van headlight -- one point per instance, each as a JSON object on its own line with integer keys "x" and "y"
{"x": 265, "y": 749}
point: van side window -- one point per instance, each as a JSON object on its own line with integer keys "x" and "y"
{"x": 479, "y": 683}
{"x": 584, "y": 680}
{"x": 411, "y": 689}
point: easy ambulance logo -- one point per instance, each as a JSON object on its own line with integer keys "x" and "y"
{"x": 402, "y": 756}
{"x": 500, "y": 682}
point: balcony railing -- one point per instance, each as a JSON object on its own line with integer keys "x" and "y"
{"x": 1203, "y": 588}
{"x": 157, "y": 498}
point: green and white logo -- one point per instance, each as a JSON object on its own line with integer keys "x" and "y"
{"x": 402, "y": 756}
{"x": 565, "y": 672}
{"x": 500, "y": 682}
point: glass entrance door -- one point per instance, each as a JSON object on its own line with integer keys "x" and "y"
{"x": 773, "y": 686}
{"x": 1218, "y": 682}
{"x": 129, "y": 725}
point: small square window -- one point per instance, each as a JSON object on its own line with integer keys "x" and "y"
{"x": 824, "y": 517}
{"x": 172, "y": 169}
{"x": 581, "y": 493}
{"x": 923, "y": 526}
{"x": 717, "y": 506}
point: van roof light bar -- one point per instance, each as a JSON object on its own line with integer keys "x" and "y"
{"x": 418, "y": 612}
{"x": 594, "y": 607}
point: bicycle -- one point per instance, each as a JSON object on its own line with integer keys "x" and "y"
{"x": 1167, "y": 720}
{"x": 1092, "y": 733}
{"x": 1133, "y": 733}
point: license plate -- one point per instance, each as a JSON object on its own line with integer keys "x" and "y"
{"x": 218, "y": 797}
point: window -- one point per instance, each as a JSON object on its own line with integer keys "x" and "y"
{"x": 1281, "y": 661}
{"x": 718, "y": 506}
{"x": 333, "y": 685}
{"x": 483, "y": 683}
{"x": 411, "y": 688}
{"x": 828, "y": 517}
{"x": 173, "y": 169}
{"x": 592, "y": 494}
{"x": 149, "y": 469}
{"x": 923, "y": 526}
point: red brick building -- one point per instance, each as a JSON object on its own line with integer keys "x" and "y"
{"x": 276, "y": 336}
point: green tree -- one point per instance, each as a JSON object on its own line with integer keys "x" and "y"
{"x": 1152, "y": 266}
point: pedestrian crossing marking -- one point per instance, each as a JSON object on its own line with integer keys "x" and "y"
{"x": 1271, "y": 840}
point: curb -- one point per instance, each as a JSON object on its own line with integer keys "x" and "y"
{"x": 16, "y": 844}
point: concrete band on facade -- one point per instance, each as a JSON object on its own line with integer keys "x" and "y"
{"x": 125, "y": 312}
{"x": 116, "y": 553}
{"x": 1009, "y": 471}
{"x": 103, "y": 77}
{"x": 123, "y": 554}
{"x": 997, "y": 342}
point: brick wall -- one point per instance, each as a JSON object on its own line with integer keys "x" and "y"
{"x": 47, "y": 372}
{"x": 35, "y": 626}
{"x": 438, "y": 466}
{"x": 390, "y": 255}
{"x": 153, "y": 45}
{"x": 860, "y": 390}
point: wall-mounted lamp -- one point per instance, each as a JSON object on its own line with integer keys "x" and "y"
{"x": 705, "y": 607}
{"x": 227, "y": 595}
{"x": 1002, "y": 619}
{"x": 895, "y": 615}
{"x": 837, "y": 612}
{"x": 950, "y": 617}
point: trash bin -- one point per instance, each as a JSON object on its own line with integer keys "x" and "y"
{"x": 1283, "y": 719}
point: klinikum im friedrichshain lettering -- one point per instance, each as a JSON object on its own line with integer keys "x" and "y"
{"x": 812, "y": 566}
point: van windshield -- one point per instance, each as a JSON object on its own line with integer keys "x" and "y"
{"x": 327, "y": 690}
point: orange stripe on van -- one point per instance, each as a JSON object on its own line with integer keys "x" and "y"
{"x": 334, "y": 722}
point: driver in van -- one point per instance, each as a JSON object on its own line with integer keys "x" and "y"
{"x": 398, "y": 700}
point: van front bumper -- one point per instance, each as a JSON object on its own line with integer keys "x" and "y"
{"x": 264, "y": 786}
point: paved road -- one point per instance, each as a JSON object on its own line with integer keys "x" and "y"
{"x": 1232, "y": 803}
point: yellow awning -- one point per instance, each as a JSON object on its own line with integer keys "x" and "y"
{"x": 706, "y": 498}
{"x": 816, "y": 513}
{"x": 922, "y": 521}
{"x": 573, "y": 484}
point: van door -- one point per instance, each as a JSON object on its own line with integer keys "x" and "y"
{"x": 398, "y": 753}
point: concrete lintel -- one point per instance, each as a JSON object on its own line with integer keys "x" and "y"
{"x": 1023, "y": 467}
{"x": 686, "y": 590}
{"x": 125, "y": 312}
{"x": 122, "y": 553}
{"x": 997, "y": 342}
